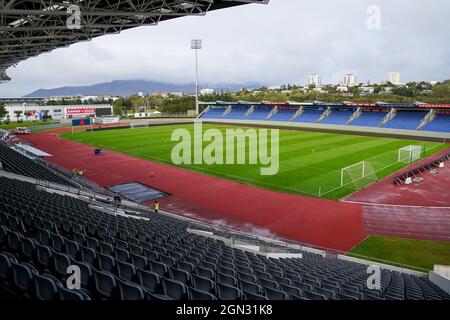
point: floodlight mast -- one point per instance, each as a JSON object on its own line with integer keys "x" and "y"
{"x": 196, "y": 44}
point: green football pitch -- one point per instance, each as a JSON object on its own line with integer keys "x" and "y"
{"x": 310, "y": 163}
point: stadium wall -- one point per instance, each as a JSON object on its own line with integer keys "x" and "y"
{"x": 441, "y": 277}
{"x": 330, "y": 128}
{"x": 382, "y": 265}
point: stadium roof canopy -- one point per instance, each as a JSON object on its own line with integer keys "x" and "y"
{"x": 31, "y": 27}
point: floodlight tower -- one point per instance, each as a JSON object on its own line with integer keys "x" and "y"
{"x": 196, "y": 44}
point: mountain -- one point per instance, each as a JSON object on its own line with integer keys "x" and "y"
{"x": 128, "y": 87}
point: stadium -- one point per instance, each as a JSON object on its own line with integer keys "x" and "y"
{"x": 268, "y": 200}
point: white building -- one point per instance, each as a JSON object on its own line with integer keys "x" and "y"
{"x": 342, "y": 88}
{"x": 394, "y": 78}
{"x": 274, "y": 88}
{"x": 319, "y": 90}
{"x": 367, "y": 90}
{"x": 350, "y": 79}
{"x": 315, "y": 80}
{"x": 30, "y": 112}
{"x": 207, "y": 91}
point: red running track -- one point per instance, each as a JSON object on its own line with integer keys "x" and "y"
{"x": 408, "y": 222}
{"x": 324, "y": 223}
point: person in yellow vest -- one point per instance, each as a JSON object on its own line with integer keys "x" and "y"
{"x": 156, "y": 206}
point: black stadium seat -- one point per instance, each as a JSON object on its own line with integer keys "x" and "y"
{"x": 42, "y": 234}
{"x": 274, "y": 294}
{"x": 125, "y": 271}
{"x": 149, "y": 280}
{"x": 130, "y": 291}
{"x": 180, "y": 275}
{"x": 195, "y": 294}
{"x": 254, "y": 296}
{"x": 22, "y": 276}
{"x": 105, "y": 262}
{"x": 105, "y": 283}
{"x": 5, "y": 267}
{"x": 204, "y": 284}
{"x": 226, "y": 292}
{"x": 45, "y": 288}
{"x": 174, "y": 289}
{"x": 60, "y": 264}
{"x": 68, "y": 294}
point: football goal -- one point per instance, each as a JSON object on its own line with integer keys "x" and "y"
{"x": 409, "y": 154}
{"x": 359, "y": 174}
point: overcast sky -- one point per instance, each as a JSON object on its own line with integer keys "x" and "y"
{"x": 278, "y": 43}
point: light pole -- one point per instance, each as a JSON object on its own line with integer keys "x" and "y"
{"x": 196, "y": 44}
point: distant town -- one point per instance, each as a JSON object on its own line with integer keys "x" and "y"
{"x": 392, "y": 90}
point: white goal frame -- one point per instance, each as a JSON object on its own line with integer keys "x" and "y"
{"x": 366, "y": 168}
{"x": 413, "y": 153}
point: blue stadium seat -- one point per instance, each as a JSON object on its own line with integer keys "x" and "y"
{"x": 406, "y": 120}
{"x": 338, "y": 117}
{"x": 309, "y": 115}
{"x": 440, "y": 124}
{"x": 259, "y": 114}
{"x": 283, "y": 115}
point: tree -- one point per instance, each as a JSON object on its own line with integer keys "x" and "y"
{"x": 46, "y": 116}
{"x": 442, "y": 90}
{"x": 403, "y": 91}
{"x": 2, "y": 111}
{"x": 117, "y": 107}
{"x": 121, "y": 105}
{"x": 18, "y": 113}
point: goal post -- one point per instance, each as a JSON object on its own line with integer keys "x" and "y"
{"x": 409, "y": 154}
{"x": 359, "y": 174}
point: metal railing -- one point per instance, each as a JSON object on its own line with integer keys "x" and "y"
{"x": 417, "y": 171}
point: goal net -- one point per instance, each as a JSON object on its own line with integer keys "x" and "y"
{"x": 409, "y": 154}
{"x": 359, "y": 174}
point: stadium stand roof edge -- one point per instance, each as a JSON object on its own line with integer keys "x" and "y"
{"x": 329, "y": 104}
{"x": 30, "y": 28}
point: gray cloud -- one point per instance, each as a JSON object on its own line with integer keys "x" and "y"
{"x": 282, "y": 42}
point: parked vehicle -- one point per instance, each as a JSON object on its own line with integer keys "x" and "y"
{"x": 22, "y": 130}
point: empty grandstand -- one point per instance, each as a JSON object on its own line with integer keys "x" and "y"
{"x": 412, "y": 117}
{"x": 124, "y": 257}
{"x": 16, "y": 162}
{"x": 326, "y": 200}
